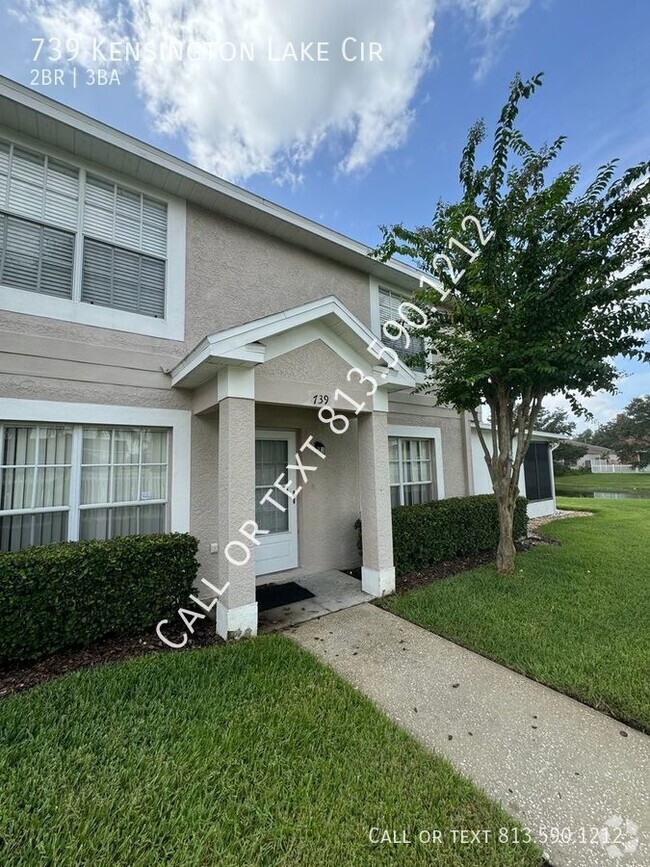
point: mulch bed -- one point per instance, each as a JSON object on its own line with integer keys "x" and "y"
{"x": 118, "y": 649}
{"x": 108, "y": 650}
{"x": 447, "y": 568}
{"x": 442, "y": 570}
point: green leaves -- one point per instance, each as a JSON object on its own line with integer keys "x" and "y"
{"x": 558, "y": 289}
{"x": 455, "y": 527}
{"x": 58, "y": 596}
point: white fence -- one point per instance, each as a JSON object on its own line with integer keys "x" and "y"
{"x": 615, "y": 468}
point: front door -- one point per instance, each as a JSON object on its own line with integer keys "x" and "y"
{"x": 278, "y": 550}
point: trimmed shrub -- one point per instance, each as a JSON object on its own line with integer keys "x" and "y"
{"x": 444, "y": 529}
{"x": 69, "y": 595}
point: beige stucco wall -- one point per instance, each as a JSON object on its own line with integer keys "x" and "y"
{"x": 234, "y": 274}
{"x": 419, "y": 410}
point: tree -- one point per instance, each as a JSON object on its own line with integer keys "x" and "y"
{"x": 557, "y": 421}
{"x": 541, "y": 288}
{"x": 629, "y": 433}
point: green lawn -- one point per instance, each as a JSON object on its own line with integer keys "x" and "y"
{"x": 618, "y": 482}
{"x": 576, "y": 617}
{"x": 248, "y": 754}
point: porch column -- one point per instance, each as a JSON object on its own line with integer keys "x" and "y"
{"x": 378, "y": 571}
{"x": 237, "y": 608}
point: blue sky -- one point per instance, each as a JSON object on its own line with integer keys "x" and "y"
{"x": 356, "y": 145}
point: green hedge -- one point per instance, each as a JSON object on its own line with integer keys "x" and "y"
{"x": 444, "y": 529}
{"x": 58, "y": 596}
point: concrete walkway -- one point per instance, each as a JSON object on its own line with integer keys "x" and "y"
{"x": 551, "y": 761}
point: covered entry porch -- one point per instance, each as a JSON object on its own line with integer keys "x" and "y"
{"x": 296, "y": 409}
{"x": 320, "y": 594}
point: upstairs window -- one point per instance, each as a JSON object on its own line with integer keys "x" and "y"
{"x": 125, "y": 242}
{"x": 35, "y": 257}
{"x": 73, "y": 235}
{"x": 389, "y": 303}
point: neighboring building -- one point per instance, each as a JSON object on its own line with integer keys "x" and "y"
{"x": 594, "y": 454}
{"x": 166, "y": 342}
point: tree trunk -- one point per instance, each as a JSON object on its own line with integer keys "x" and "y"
{"x": 506, "y": 547}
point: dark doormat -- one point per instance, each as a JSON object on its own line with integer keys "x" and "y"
{"x": 276, "y": 595}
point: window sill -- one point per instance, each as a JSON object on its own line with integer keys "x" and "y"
{"x": 35, "y": 304}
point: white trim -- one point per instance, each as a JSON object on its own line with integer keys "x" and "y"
{"x": 74, "y": 518}
{"x": 380, "y": 397}
{"x": 179, "y": 420}
{"x": 424, "y": 433}
{"x": 538, "y": 435}
{"x": 328, "y": 319}
{"x": 240, "y": 622}
{"x": 377, "y": 582}
{"x": 540, "y": 508}
{"x": 209, "y": 190}
{"x": 236, "y": 382}
{"x": 172, "y": 327}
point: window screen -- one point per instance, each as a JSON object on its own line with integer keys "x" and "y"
{"x": 537, "y": 472}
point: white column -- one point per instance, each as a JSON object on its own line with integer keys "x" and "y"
{"x": 378, "y": 571}
{"x": 237, "y": 608}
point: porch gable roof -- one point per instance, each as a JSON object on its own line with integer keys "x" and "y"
{"x": 262, "y": 339}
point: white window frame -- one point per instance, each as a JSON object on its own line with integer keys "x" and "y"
{"x": 75, "y": 507}
{"x": 172, "y": 326}
{"x": 33, "y": 510}
{"x": 425, "y": 433}
{"x": 80, "y": 415}
{"x": 75, "y": 493}
{"x": 375, "y": 320}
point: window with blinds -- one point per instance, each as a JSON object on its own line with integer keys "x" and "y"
{"x": 123, "y": 482}
{"x": 47, "y": 208}
{"x": 35, "y": 465}
{"x": 122, "y": 279}
{"x": 38, "y": 187}
{"x": 35, "y": 257}
{"x": 411, "y": 465}
{"x": 413, "y": 354}
{"x": 62, "y": 484}
{"x": 125, "y": 242}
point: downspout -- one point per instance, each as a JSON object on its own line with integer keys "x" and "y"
{"x": 553, "y": 447}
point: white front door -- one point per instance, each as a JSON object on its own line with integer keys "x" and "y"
{"x": 278, "y": 549}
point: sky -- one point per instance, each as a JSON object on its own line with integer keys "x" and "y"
{"x": 336, "y": 133}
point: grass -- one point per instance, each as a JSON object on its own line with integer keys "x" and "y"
{"x": 575, "y": 617}
{"x": 616, "y": 482}
{"x": 248, "y": 754}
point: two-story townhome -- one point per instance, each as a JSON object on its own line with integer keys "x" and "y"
{"x": 177, "y": 354}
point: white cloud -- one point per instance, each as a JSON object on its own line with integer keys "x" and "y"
{"x": 493, "y": 20}
{"x": 605, "y": 406}
{"x": 241, "y": 118}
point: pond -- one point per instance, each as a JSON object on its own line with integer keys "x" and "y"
{"x": 606, "y": 495}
